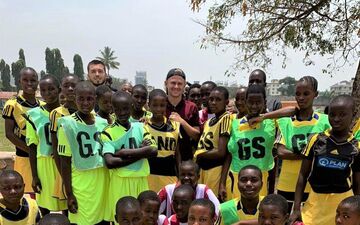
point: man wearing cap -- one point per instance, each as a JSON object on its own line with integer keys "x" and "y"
{"x": 182, "y": 111}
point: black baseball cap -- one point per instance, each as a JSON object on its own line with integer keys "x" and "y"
{"x": 176, "y": 72}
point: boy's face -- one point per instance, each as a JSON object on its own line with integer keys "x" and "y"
{"x": 97, "y": 74}
{"x": 122, "y": 109}
{"x": 217, "y": 102}
{"x": 139, "y": 98}
{"x": 129, "y": 216}
{"x": 29, "y": 82}
{"x": 195, "y": 97}
{"x": 49, "y": 92}
{"x": 188, "y": 175}
{"x": 271, "y": 215}
{"x": 104, "y": 102}
{"x": 181, "y": 204}
{"x": 150, "y": 212}
{"x": 255, "y": 104}
{"x": 240, "y": 100}
{"x": 347, "y": 215}
{"x": 158, "y": 106}
{"x": 68, "y": 88}
{"x": 249, "y": 183}
{"x": 12, "y": 189}
{"x": 85, "y": 100}
{"x": 340, "y": 115}
{"x": 257, "y": 78}
{"x": 200, "y": 215}
{"x": 205, "y": 91}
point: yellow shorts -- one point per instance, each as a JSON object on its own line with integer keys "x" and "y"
{"x": 320, "y": 209}
{"x": 22, "y": 165}
{"x": 236, "y": 192}
{"x": 211, "y": 178}
{"x": 157, "y": 182}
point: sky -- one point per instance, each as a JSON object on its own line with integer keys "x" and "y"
{"x": 152, "y": 36}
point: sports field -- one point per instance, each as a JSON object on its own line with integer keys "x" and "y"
{"x": 5, "y": 144}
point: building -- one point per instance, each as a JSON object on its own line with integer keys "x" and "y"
{"x": 342, "y": 88}
{"x": 140, "y": 78}
{"x": 272, "y": 88}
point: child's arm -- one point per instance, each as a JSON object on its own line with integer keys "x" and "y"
{"x": 224, "y": 174}
{"x": 284, "y": 153}
{"x": 283, "y": 112}
{"x": 36, "y": 184}
{"x": 143, "y": 152}
{"x": 9, "y": 133}
{"x": 215, "y": 154}
{"x": 112, "y": 161}
{"x": 54, "y": 144}
{"x": 193, "y": 132}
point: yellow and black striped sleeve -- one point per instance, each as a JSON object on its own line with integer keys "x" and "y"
{"x": 308, "y": 151}
{"x": 8, "y": 111}
{"x": 225, "y": 126}
{"x": 53, "y": 117}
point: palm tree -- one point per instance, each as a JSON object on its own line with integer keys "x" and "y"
{"x": 108, "y": 58}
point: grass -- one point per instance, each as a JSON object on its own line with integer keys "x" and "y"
{"x": 5, "y": 144}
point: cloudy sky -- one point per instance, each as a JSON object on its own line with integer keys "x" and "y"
{"x": 150, "y": 35}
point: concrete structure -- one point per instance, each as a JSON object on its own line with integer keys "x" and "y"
{"x": 342, "y": 88}
{"x": 272, "y": 88}
{"x": 140, "y": 77}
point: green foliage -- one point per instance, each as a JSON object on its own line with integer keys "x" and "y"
{"x": 78, "y": 66}
{"x": 315, "y": 27}
{"x": 16, "y": 67}
{"x": 287, "y": 87}
{"x": 22, "y": 55}
{"x": 5, "y": 76}
{"x": 55, "y": 63}
{"x": 42, "y": 73}
{"x": 108, "y": 58}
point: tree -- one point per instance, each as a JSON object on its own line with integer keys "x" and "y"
{"x": 287, "y": 87}
{"x": 55, "y": 63}
{"x": 5, "y": 76}
{"x": 356, "y": 93}
{"x": 16, "y": 67}
{"x": 108, "y": 58}
{"x": 22, "y": 55}
{"x": 78, "y": 66}
{"x": 42, "y": 73}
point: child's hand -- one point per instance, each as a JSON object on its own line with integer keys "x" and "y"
{"x": 255, "y": 120}
{"x": 176, "y": 117}
{"x": 36, "y": 185}
{"x": 222, "y": 193}
{"x": 145, "y": 143}
{"x": 295, "y": 217}
{"x": 72, "y": 203}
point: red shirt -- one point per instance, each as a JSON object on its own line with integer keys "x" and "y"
{"x": 189, "y": 112}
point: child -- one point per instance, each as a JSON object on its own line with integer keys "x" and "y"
{"x": 150, "y": 205}
{"x": 204, "y": 113}
{"x": 54, "y": 219}
{"x": 166, "y": 133}
{"x": 103, "y": 100}
{"x": 331, "y": 164}
{"x": 250, "y": 145}
{"x": 82, "y": 166}
{"x": 240, "y": 103}
{"x": 126, "y": 147}
{"x": 348, "y": 211}
{"x": 127, "y": 87}
{"x": 244, "y": 209}
{"x": 274, "y": 210}
{"x": 211, "y": 150}
{"x": 202, "y": 212}
{"x": 293, "y": 136}
{"x": 182, "y": 198}
{"x": 139, "y": 97}
{"x": 189, "y": 173}
{"x": 43, "y": 166}
{"x": 68, "y": 84}
{"x": 128, "y": 211}
{"x": 195, "y": 95}
{"x": 14, "y": 208}
{"x": 15, "y": 122}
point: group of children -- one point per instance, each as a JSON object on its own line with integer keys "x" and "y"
{"x": 105, "y": 157}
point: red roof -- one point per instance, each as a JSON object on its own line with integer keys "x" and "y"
{"x": 7, "y": 94}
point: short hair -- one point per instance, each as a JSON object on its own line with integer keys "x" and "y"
{"x": 354, "y": 201}
{"x": 205, "y": 203}
{"x": 256, "y": 89}
{"x": 194, "y": 86}
{"x": 102, "y": 89}
{"x": 259, "y": 71}
{"x": 83, "y": 85}
{"x": 191, "y": 163}
{"x": 310, "y": 80}
{"x": 343, "y": 98}
{"x": 120, "y": 94}
{"x": 185, "y": 188}
{"x": 51, "y": 77}
{"x": 140, "y": 86}
{"x": 223, "y": 91}
{"x": 11, "y": 173}
{"x": 70, "y": 75}
{"x": 209, "y": 82}
{"x": 126, "y": 202}
{"x": 25, "y": 69}
{"x": 95, "y": 62}
{"x": 148, "y": 195}
{"x": 54, "y": 218}
{"x": 157, "y": 92}
{"x": 276, "y": 200}
{"x": 251, "y": 167}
